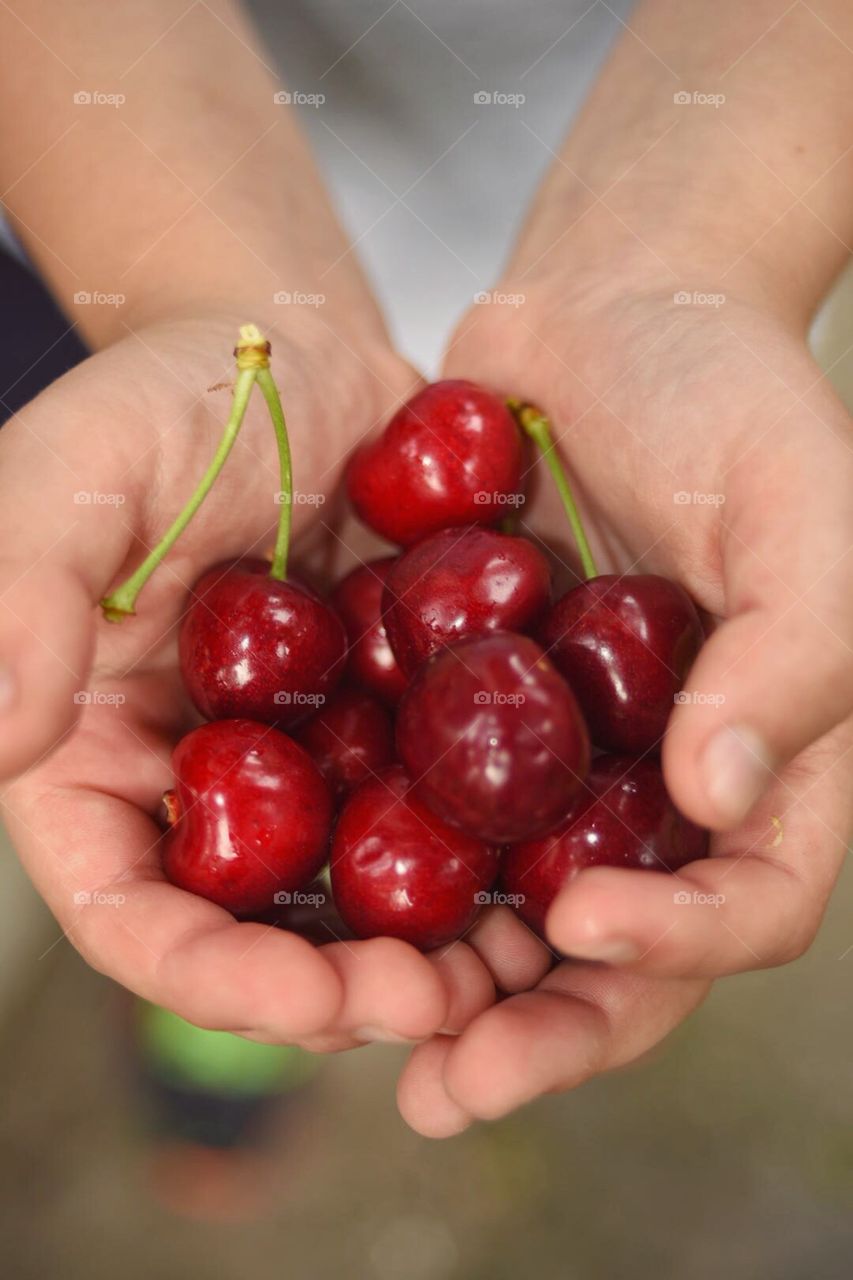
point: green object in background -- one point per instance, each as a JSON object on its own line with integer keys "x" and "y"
{"x": 217, "y": 1061}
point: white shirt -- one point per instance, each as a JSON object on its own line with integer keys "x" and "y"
{"x": 431, "y": 181}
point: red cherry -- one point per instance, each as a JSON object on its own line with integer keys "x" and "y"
{"x": 462, "y": 582}
{"x": 349, "y": 739}
{"x": 250, "y": 815}
{"x": 494, "y": 736}
{"x": 623, "y": 818}
{"x": 451, "y": 455}
{"x": 251, "y": 646}
{"x": 358, "y": 601}
{"x": 398, "y": 871}
{"x": 625, "y": 644}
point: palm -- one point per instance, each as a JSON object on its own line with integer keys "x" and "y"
{"x": 139, "y": 421}
{"x": 650, "y": 401}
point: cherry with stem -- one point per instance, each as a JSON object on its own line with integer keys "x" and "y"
{"x": 252, "y": 644}
{"x": 625, "y": 642}
{"x": 252, "y": 357}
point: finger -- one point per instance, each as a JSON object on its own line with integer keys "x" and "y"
{"x": 778, "y": 674}
{"x": 377, "y": 1010}
{"x": 46, "y": 643}
{"x": 392, "y": 993}
{"x": 468, "y": 983}
{"x": 513, "y": 954}
{"x": 581, "y": 1020}
{"x": 64, "y": 535}
{"x": 96, "y": 863}
{"x": 423, "y": 1100}
{"x": 759, "y": 902}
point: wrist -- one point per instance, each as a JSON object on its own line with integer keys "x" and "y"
{"x": 659, "y": 235}
{"x": 600, "y": 262}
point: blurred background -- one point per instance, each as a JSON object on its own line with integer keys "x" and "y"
{"x": 730, "y": 1152}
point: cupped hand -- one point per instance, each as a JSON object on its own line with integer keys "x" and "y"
{"x": 707, "y": 445}
{"x": 94, "y": 471}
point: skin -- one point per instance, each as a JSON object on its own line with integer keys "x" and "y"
{"x": 650, "y": 399}
{"x": 646, "y": 199}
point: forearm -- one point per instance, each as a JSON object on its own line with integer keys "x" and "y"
{"x": 197, "y": 189}
{"x": 753, "y": 195}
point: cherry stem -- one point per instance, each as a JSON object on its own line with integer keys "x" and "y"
{"x": 535, "y": 425}
{"x": 252, "y": 354}
{"x": 278, "y": 568}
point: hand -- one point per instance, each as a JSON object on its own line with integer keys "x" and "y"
{"x": 129, "y": 433}
{"x": 652, "y": 401}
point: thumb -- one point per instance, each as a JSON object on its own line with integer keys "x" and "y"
{"x": 778, "y": 674}
{"x": 59, "y": 550}
{"x": 47, "y": 627}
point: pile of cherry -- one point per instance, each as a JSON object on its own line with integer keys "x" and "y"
{"x": 441, "y": 732}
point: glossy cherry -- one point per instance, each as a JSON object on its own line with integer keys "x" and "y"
{"x": 452, "y": 455}
{"x": 625, "y": 644}
{"x": 250, "y": 815}
{"x": 398, "y": 871}
{"x": 357, "y": 599}
{"x": 458, "y": 583}
{"x": 494, "y": 737}
{"x": 350, "y": 738}
{"x": 252, "y": 646}
{"x": 623, "y": 818}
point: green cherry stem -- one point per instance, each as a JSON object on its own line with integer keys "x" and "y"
{"x": 252, "y": 355}
{"x": 269, "y": 390}
{"x": 535, "y": 425}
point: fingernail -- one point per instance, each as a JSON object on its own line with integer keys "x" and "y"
{"x": 737, "y": 769}
{"x": 8, "y": 688}
{"x": 380, "y": 1035}
{"x": 608, "y": 950}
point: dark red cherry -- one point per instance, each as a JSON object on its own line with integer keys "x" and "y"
{"x": 250, "y": 814}
{"x": 494, "y": 737}
{"x": 358, "y": 601}
{"x": 458, "y": 583}
{"x": 623, "y": 818}
{"x": 451, "y": 455}
{"x": 251, "y": 646}
{"x": 349, "y": 738}
{"x": 625, "y": 644}
{"x": 398, "y": 871}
